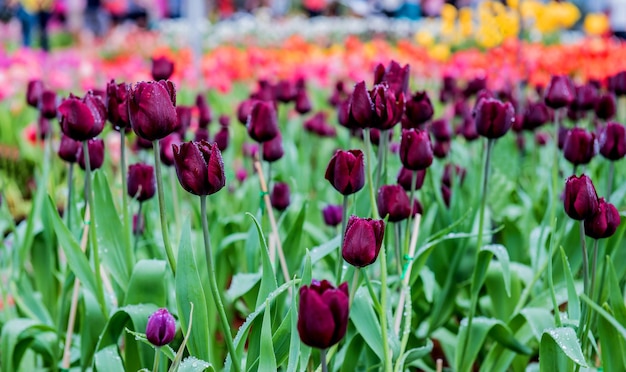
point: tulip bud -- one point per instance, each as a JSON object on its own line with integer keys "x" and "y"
{"x": 441, "y": 149}
{"x": 250, "y": 150}
{"x": 161, "y": 328}
{"x": 280, "y": 197}
{"x": 141, "y": 181}
{"x": 167, "y": 153}
{"x": 346, "y": 171}
{"x": 183, "y": 119}
{"x": 199, "y": 167}
{"x": 405, "y": 177}
{"x": 162, "y": 68}
{"x": 303, "y": 104}
{"x": 332, "y": 214}
{"x": 613, "y": 141}
{"x": 202, "y": 134}
{"x": 362, "y": 241}
{"x": 68, "y": 149}
{"x": 542, "y": 138}
{"x": 361, "y": 107}
{"x": 323, "y": 314}
{"x": 44, "y": 127}
{"x": 560, "y": 92}
{"x": 468, "y": 129}
{"x": 416, "y": 151}
{"x": 221, "y": 138}
{"x": 82, "y": 119}
{"x": 244, "y": 109}
{"x": 138, "y": 224}
{"x": 241, "y": 174}
{"x": 581, "y": 199}
{"x": 262, "y": 122}
{"x": 151, "y": 108}
{"x": 563, "y": 132}
{"x": 449, "y": 89}
{"x": 451, "y": 170}
{"x": 285, "y": 91}
{"x": 395, "y": 76}
{"x": 446, "y": 195}
{"x": 317, "y": 124}
{"x": 604, "y": 222}
{"x": 273, "y": 149}
{"x": 605, "y": 106}
{"x": 144, "y": 144}
{"x": 536, "y": 114}
{"x": 34, "y": 90}
{"x": 392, "y": 200}
{"x": 339, "y": 94}
{"x": 388, "y": 108}
{"x": 96, "y": 154}
{"x": 617, "y": 83}
{"x": 418, "y": 110}
{"x": 204, "y": 111}
{"x": 117, "y": 105}
{"x": 265, "y": 91}
{"x": 580, "y": 146}
{"x": 493, "y": 118}
{"x": 586, "y": 97}
{"x": 48, "y": 104}
{"x": 224, "y": 120}
{"x": 475, "y": 85}
{"x": 441, "y": 130}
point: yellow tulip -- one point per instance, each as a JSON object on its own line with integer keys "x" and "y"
{"x": 596, "y": 24}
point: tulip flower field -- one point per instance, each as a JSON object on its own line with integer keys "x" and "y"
{"x": 362, "y": 206}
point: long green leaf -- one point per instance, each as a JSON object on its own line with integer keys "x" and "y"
{"x": 573, "y": 304}
{"x": 147, "y": 284}
{"x": 292, "y": 243}
{"x": 364, "y": 319}
{"x": 267, "y": 361}
{"x": 108, "y": 359}
{"x": 613, "y": 345}
{"x": 559, "y": 350}
{"x": 603, "y": 313}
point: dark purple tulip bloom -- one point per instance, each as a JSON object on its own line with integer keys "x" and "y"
{"x": 361, "y": 106}
{"x": 162, "y": 68}
{"x": 396, "y": 76}
{"x": 604, "y": 222}
{"x": 262, "y": 121}
{"x": 96, "y": 154}
{"x": 183, "y": 119}
{"x": 560, "y": 92}
{"x": 48, "y": 104}
{"x": 222, "y": 138}
{"x": 68, "y": 149}
{"x": 441, "y": 130}
{"x": 143, "y": 144}
{"x": 493, "y": 117}
{"x": 362, "y": 242}
{"x": 323, "y": 314}
{"x": 536, "y": 114}
{"x": 563, "y": 132}
{"x": 117, "y": 105}
{"x": 202, "y": 134}
{"x": 161, "y": 328}
{"x": 199, "y": 167}
{"x": 441, "y": 149}
{"x": 449, "y": 89}
{"x": 45, "y": 130}
{"x": 416, "y": 152}
{"x": 468, "y": 129}
{"x": 285, "y": 91}
{"x": 280, "y": 197}
{"x": 265, "y": 91}
{"x": 141, "y": 181}
{"x": 318, "y": 125}
{"x": 250, "y": 150}
{"x": 475, "y": 85}
{"x": 613, "y": 141}
{"x": 167, "y": 153}
{"x": 388, "y": 108}
{"x": 418, "y": 110}
{"x": 339, "y": 94}
{"x": 446, "y": 195}
{"x": 605, "y": 106}
{"x": 617, "y": 83}
{"x": 586, "y": 97}
{"x": 204, "y": 111}
{"x": 303, "y": 103}
{"x": 273, "y": 149}
{"x": 346, "y": 171}
{"x": 542, "y": 138}
{"x": 580, "y": 146}
{"x": 82, "y": 119}
{"x": 244, "y": 109}
{"x": 34, "y": 90}
{"x": 332, "y": 214}
{"x": 450, "y": 171}
{"x": 224, "y": 120}
{"x": 393, "y": 201}
{"x": 581, "y": 199}
{"x": 152, "y": 109}
{"x": 405, "y": 177}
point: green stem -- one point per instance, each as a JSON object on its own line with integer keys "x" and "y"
{"x": 344, "y": 222}
{"x": 383, "y": 307}
{"x": 554, "y": 201}
{"x": 157, "y": 354}
{"x": 323, "y": 362}
{"x": 370, "y": 290}
{"x": 589, "y": 289}
{"x": 609, "y": 182}
{"x": 127, "y": 222}
{"x": 478, "y": 277}
{"x": 583, "y": 245}
{"x": 159, "y": 180}
{"x": 214, "y": 290}
{"x": 70, "y": 194}
{"x": 368, "y": 164}
{"x": 407, "y": 236}
{"x": 92, "y": 231}
{"x": 355, "y": 284}
{"x": 396, "y": 228}
{"x": 139, "y": 222}
{"x": 382, "y": 151}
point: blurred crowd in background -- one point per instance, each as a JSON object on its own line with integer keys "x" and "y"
{"x": 98, "y": 17}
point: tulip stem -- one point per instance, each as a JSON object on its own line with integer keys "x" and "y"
{"x": 478, "y": 277}
{"x": 355, "y": 284}
{"x": 609, "y": 182}
{"x": 214, "y": 289}
{"x": 137, "y": 230}
{"x": 70, "y": 194}
{"x": 382, "y": 157}
{"x": 582, "y": 326}
{"x": 397, "y": 230}
{"x": 587, "y": 319}
{"x": 127, "y": 223}
{"x": 92, "y": 231}
{"x": 383, "y": 307}
{"x": 344, "y": 217}
{"x": 159, "y": 180}
{"x": 409, "y": 220}
{"x": 157, "y": 354}
{"x": 323, "y": 362}
{"x": 370, "y": 290}
{"x": 368, "y": 157}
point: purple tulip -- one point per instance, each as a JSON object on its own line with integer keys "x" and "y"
{"x": 199, "y": 167}
{"x": 604, "y": 222}
{"x": 323, "y": 314}
{"x": 581, "y": 199}
{"x": 346, "y": 171}
{"x": 416, "y": 151}
{"x": 362, "y": 241}
{"x": 152, "y": 109}
{"x": 141, "y": 181}
{"x": 161, "y": 328}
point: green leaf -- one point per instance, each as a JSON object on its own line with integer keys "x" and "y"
{"x": 603, "y": 313}
{"x": 364, "y": 319}
{"x": 189, "y": 289}
{"x": 241, "y": 284}
{"x": 281, "y": 338}
{"x": 294, "y": 341}
{"x": 353, "y": 352}
{"x": 192, "y": 364}
{"x": 481, "y": 328}
{"x": 92, "y": 322}
{"x": 76, "y": 259}
{"x": 108, "y": 359}
{"x": 615, "y": 296}
{"x": 110, "y": 232}
{"x": 165, "y": 349}
{"x": 613, "y": 345}
{"x": 573, "y": 304}
{"x": 559, "y": 348}
{"x": 147, "y": 284}
{"x": 484, "y": 259}
{"x": 413, "y": 355}
{"x": 321, "y": 251}
{"x": 267, "y": 361}
{"x": 292, "y": 243}
{"x": 14, "y": 332}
